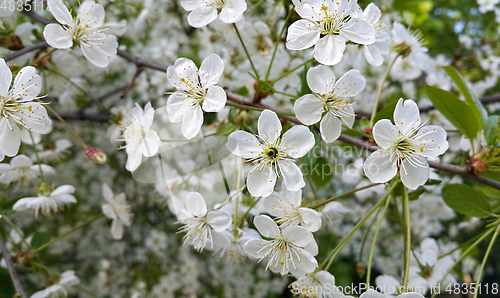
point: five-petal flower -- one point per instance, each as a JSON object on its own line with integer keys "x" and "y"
{"x": 331, "y": 96}
{"x": 87, "y": 29}
{"x": 272, "y": 154}
{"x": 327, "y": 25}
{"x": 196, "y": 92}
{"x": 406, "y": 147}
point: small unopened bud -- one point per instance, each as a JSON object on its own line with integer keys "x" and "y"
{"x": 97, "y": 157}
{"x": 361, "y": 269}
{"x": 24, "y": 259}
{"x": 479, "y": 166}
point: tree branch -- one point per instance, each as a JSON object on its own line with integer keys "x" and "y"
{"x": 10, "y": 268}
{"x": 25, "y": 50}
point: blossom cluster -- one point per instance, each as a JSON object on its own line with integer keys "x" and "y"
{"x": 229, "y": 108}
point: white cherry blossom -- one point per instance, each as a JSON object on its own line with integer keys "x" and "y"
{"x": 382, "y": 46}
{"x": 18, "y": 108}
{"x": 288, "y": 251}
{"x": 21, "y": 168}
{"x": 226, "y": 245}
{"x": 285, "y": 205}
{"x": 196, "y": 92}
{"x": 273, "y": 155}
{"x": 328, "y": 25}
{"x": 410, "y": 45}
{"x": 62, "y": 288}
{"x": 405, "y": 147}
{"x": 316, "y": 285}
{"x": 87, "y": 30}
{"x": 204, "y": 12}
{"x": 198, "y": 224}
{"x": 47, "y": 201}
{"x": 331, "y": 96}
{"x": 140, "y": 139}
{"x": 427, "y": 269}
{"x": 117, "y": 209}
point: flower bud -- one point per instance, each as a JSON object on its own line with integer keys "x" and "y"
{"x": 97, "y": 157}
{"x": 361, "y": 269}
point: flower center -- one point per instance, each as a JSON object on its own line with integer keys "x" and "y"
{"x": 216, "y": 3}
{"x": 331, "y": 24}
{"x": 271, "y": 152}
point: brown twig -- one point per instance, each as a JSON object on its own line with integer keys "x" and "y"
{"x": 138, "y": 71}
{"x": 10, "y": 267}
{"x": 25, "y": 50}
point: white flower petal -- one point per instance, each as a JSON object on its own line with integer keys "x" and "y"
{"x": 134, "y": 158}
{"x": 10, "y": 137}
{"x": 413, "y": 176}
{"x": 433, "y": 140}
{"x": 183, "y": 74}
{"x": 406, "y": 115}
{"x": 292, "y": 176}
{"x": 191, "y": 124}
{"x": 150, "y": 144}
{"x": 358, "y": 31}
{"x": 330, "y": 128}
{"x": 269, "y": 126}
{"x": 297, "y": 235}
{"x": 60, "y": 12}
{"x": 329, "y": 50}
{"x": 215, "y": 99}
{"x": 379, "y": 168}
{"x": 211, "y": 70}
{"x": 195, "y": 204}
{"x": 243, "y": 144}
{"x": 350, "y": 84}
{"x": 95, "y": 55}
{"x": 320, "y": 79}
{"x": 177, "y": 107}
{"x": 311, "y": 220}
{"x": 91, "y": 14}
{"x": 302, "y": 35}
{"x": 261, "y": 181}
{"x": 385, "y": 134}
{"x": 233, "y": 11}
{"x": 266, "y": 226}
{"x": 219, "y": 220}
{"x": 117, "y": 229}
{"x": 297, "y": 141}
{"x": 5, "y": 78}
{"x": 109, "y": 45}
{"x": 202, "y": 16}
{"x": 27, "y": 84}
{"x": 373, "y": 55}
{"x": 63, "y": 190}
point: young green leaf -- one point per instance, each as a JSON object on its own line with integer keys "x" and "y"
{"x": 465, "y": 200}
{"x": 455, "y": 110}
{"x": 470, "y": 98}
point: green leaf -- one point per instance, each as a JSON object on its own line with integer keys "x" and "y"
{"x": 470, "y": 98}
{"x": 492, "y": 137}
{"x": 386, "y": 112}
{"x": 414, "y": 195}
{"x": 39, "y": 239}
{"x": 465, "y": 200}
{"x": 455, "y": 110}
{"x": 6, "y": 32}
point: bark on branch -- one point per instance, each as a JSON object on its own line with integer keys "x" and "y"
{"x": 10, "y": 267}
